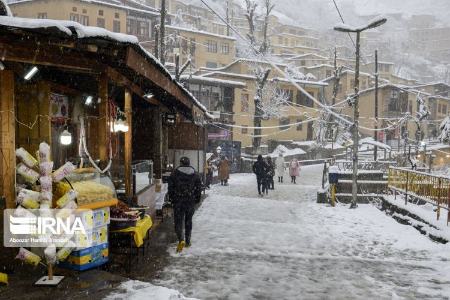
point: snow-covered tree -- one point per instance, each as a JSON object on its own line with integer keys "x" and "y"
{"x": 259, "y": 49}
{"x": 444, "y": 136}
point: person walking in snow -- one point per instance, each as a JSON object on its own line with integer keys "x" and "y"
{"x": 185, "y": 188}
{"x": 224, "y": 171}
{"x": 260, "y": 169}
{"x": 280, "y": 166}
{"x": 270, "y": 173}
{"x": 294, "y": 170}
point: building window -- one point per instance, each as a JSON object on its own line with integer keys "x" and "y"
{"x": 212, "y": 46}
{"x": 75, "y": 17}
{"x": 328, "y": 73}
{"x": 303, "y": 63}
{"x": 444, "y": 109}
{"x": 84, "y": 11}
{"x": 302, "y": 99}
{"x": 84, "y": 20}
{"x": 142, "y": 29}
{"x": 284, "y": 123}
{"x": 192, "y": 43}
{"x": 130, "y": 24}
{"x": 100, "y": 12}
{"x": 211, "y": 65}
{"x": 42, "y": 15}
{"x": 116, "y": 26}
{"x": 101, "y": 22}
{"x": 74, "y": 9}
{"x": 244, "y": 129}
{"x": 117, "y": 15}
{"x": 439, "y": 108}
{"x": 244, "y": 103}
{"x": 299, "y": 126}
{"x": 225, "y": 48}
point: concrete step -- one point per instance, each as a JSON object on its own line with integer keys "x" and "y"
{"x": 362, "y": 175}
{"x": 364, "y": 186}
{"x": 361, "y": 198}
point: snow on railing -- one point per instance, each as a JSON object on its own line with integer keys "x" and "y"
{"x": 424, "y": 186}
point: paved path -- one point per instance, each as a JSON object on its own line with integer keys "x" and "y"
{"x": 285, "y": 246}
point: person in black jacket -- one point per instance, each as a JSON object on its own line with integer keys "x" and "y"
{"x": 260, "y": 169}
{"x": 270, "y": 173}
{"x": 185, "y": 187}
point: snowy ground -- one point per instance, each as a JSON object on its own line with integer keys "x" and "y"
{"x": 285, "y": 246}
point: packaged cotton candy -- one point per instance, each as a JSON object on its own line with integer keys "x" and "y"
{"x": 45, "y": 211}
{"x": 44, "y": 152}
{"x": 26, "y": 158}
{"x": 28, "y": 257}
{"x": 46, "y": 198}
{"x": 46, "y": 168}
{"x": 30, "y": 176}
{"x": 23, "y": 213}
{"x": 62, "y": 172}
{"x": 28, "y": 199}
{"x": 50, "y": 254}
{"x": 65, "y": 251}
{"x": 46, "y": 184}
{"x": 69, "y": 196}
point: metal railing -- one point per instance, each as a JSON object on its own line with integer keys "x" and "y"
{"x": 424, "y": 186}
{"x": 364, "y": 165}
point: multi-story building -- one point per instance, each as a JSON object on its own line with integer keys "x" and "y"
{"x": 118, "y": 16}
{"x": 288, "y": 125}
{"x": 204, "y": 48}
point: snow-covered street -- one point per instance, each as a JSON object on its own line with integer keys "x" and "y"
{"x": 286, "y": 246}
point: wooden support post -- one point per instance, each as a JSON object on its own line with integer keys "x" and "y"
{"x": 157, "y": 143}
{"x": 128, "y": 145}
{"x": 103, "y": 127}
{"x": 7, "y": 138}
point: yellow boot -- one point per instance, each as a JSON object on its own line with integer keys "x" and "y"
{"x": 180, "y": 246}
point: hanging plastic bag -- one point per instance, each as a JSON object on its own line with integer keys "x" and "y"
{"x": 50, "y": 254}
{"x": 28, "y": 257}
{"x": 69, "y": 196}
{"x": 62, "y": 172}
{"x": 30, "y": 176}
{"x": 26, "y": 158}
{"x": 28, "y": 199}
{"x": 46, "y": 168}
{"x": 44, "y": 152}
{"x": 4, "y": 278}
{"x": 65, "y": 251}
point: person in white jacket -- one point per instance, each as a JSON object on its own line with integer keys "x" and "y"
{"x": 280, "y": 167}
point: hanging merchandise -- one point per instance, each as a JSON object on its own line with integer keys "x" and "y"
{"x": 42, "y": 200}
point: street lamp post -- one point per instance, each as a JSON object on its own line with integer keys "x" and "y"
{"x": 355, "y": 100}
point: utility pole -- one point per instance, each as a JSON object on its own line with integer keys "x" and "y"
{"x": 162, "y": 33}
{"x": 356, "y": 125}
{"x": 355, "y": 101}
{"x": 375, "y": 135}
{"x": 156, "y": 41}
{"x": 228, "y": 18}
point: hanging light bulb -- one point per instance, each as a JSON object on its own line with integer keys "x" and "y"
{"x": 65, "y": 138}
{"x": 2, "y": 66}
{"x": 88, "y": 100}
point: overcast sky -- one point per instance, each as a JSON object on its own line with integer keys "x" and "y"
{"x": 322, "y": 12}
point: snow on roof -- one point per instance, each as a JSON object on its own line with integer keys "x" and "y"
{"x": 310, "y": 82}
{"x": 201, "y": 32}
{"x": 65, "y": 27}
{"x": 285, "y": 151}
{"x": 431, "y": 84}
{"x": 230, "y": 74}
{"x": 371, "y": 141}
{"x": 189, "y": 78}
{"x": 299, "y": 36}
{"x": 320, "y": 66}
{"x": 346, "y": 27}
{"x": 308, "y": 54}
